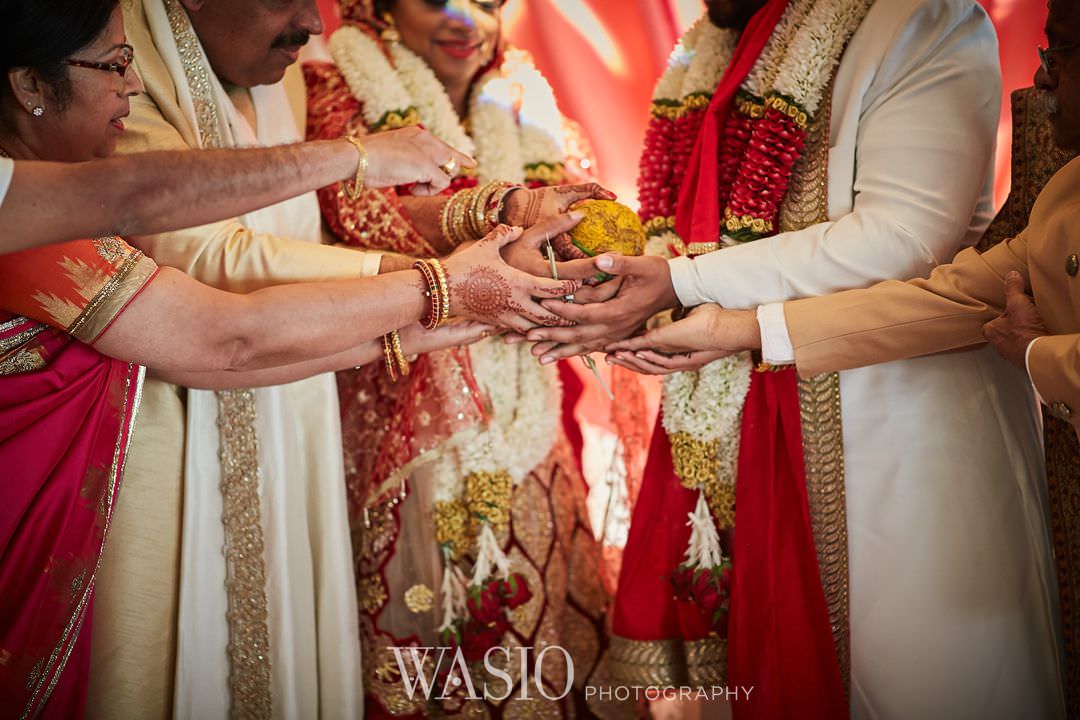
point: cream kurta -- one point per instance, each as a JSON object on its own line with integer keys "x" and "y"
{"x": 311, "y": 616}
{"x": 951, "y": 587}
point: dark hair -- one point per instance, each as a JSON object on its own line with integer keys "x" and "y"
{"x": 42, "y": 34}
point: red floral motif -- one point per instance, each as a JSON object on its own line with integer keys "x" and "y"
{"x": 485, "y": 603}
{"x": 515, "y": 590}
{"x": 706, "y": 588}
{"x": 763, "y": 178}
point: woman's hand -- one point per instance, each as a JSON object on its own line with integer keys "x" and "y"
{"x": 527, "y": 253}
{"x": 484, "y": 288}
{"x": 525, "y": 208}
{"x": 413, "y": 156}
{"x": 415, "y": 340}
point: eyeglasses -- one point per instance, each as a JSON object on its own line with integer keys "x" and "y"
{"x": 1045, "y": 58}
{"x": 127, "y": 56}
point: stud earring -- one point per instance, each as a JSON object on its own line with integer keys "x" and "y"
{"x": 38, "y": 111}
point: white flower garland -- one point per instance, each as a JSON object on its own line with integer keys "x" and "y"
{"x": 816, "y": 49}
{"x": 798, "y": 61}
{"x": 708, "y": 405}
{"x": 513, "y": 116}
{"x": 514, "y": 121}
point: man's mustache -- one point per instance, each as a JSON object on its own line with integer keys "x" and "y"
{"x": 295, "y": 38}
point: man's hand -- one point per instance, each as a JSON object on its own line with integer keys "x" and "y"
{"x": 645, "y": 289}
{"x": 708, "y": 333}
{"x": 1014, "y": 329}
{"x": 484, "y": 288}
{"x": 413, "y": 156}
{"x": 527, "y": 253}
{"x": 525, "y": 207}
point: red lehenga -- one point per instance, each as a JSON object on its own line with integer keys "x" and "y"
{"x": 390, "y": 430}
{"x": 66, "y": 418}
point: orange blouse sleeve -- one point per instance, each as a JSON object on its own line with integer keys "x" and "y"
{"x": 79, "y": 287}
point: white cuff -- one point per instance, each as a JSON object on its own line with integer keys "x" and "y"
{"x": 1027, "y": 366}
{"x": 371, "y": 263}
{"x": 776, "y": 346}
{"x": 687, "y": 283}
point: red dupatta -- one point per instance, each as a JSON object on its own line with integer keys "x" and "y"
{"x": 779, "y": 635}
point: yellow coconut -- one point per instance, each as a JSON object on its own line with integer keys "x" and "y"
{"x": 608, "y": 226}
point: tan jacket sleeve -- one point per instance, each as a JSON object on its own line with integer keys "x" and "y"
{"x": 894, "y": 320}
{"x": 1054, "y": 364}
{"x": 227, "y": 255}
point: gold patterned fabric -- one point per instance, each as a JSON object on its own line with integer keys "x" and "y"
{"x": 550, "y": 543}
{"x": 1035, "y": 159}
{"x": 807, "y": 203}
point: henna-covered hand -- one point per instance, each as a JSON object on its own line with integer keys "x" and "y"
{"x": 645, "y": 290}
{"x": 484, "y": 288}
{"x": 525, "y": 207}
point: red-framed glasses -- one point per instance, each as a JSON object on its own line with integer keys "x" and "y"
{"x": 127, "y": 55}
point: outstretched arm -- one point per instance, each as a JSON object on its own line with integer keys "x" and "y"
{"x": 178, "y": 324}
{"x": 159, "y": 191}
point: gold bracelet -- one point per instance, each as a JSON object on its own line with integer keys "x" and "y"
{"x": 444, "y": 222}
{"x": 399, "y": 355}
{"x": 436, "y": 315}
{"x": 388, "y": 357}
{"x": 354, "y": 187}
{"x": 497, "y": 201}
{"x": 444, "y": 288}
{"x": 459, "y": 223}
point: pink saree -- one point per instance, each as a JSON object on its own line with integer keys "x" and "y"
{"x": 66, "y": 418}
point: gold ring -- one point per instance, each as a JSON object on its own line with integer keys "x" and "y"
{"x": 449, "y": 167}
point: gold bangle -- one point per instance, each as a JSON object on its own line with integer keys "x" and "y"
{"x": 436, "y": 313}
{"x": 444, "y": 222}
{"x": 444, "y": 288}
{"x": 399, "y": 355}
{"x": 354, "y": 187}
{"x": 497, "y": 201}
{"x": 388, "y": 357}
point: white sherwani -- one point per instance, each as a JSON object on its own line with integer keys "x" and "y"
{"x": 952, "y": 593}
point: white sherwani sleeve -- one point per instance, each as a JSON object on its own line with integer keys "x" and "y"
{"x": 912, "y": 137}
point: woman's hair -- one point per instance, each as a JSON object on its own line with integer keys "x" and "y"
{"x": 42, "y": 34}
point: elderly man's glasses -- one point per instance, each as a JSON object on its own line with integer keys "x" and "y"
{"x": 127, "y": 55}
{"x": 1046, "y": 58}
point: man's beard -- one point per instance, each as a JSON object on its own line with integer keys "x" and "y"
{"x": 732, "y": 13}
{"x": 1049, "y": 104}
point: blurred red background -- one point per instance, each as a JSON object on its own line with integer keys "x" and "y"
{"x": 603, "y": 57}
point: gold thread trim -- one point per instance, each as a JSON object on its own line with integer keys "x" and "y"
{"x": 819, "y": 405}
{"x": 249, "y": 635}
{"x": 67, "y": 640}
{"x": 657, "y": 663}
{"x": 88, "y": 325}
